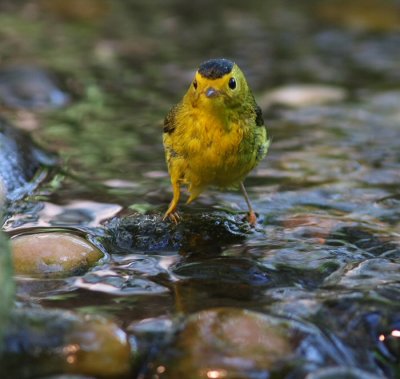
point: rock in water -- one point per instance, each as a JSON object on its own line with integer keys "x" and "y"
{"x": 53, "y": 254}
{"x": 20, "y": 162}
{"x": 43, "y": 342}
{"x": 204, "y": 232}
{"x": 237, "y": 343}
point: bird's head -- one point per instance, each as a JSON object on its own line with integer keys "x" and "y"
{"x": 218, "y": 82}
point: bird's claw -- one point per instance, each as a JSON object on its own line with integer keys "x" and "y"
{"x": 251, "y": 218}
{"x": 173, "y": 216}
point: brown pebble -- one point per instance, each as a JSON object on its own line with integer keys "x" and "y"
{"x": 65, "y": 344}
{"x": 55, "y": 254}
{"x": 227, "y": 342}
{"x": 97, "y": 347}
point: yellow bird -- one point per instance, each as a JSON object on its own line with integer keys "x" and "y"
{"x": 215, "y": 135}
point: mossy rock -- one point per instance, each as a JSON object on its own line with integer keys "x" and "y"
{"x": 197, "y": 232}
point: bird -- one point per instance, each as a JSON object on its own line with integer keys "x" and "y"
{"x": 215, "y": 135}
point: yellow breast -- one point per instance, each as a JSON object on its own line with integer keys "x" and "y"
{"x": 217, "y": 151}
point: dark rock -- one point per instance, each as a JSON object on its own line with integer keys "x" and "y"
{"x": 225, "y": 270}
{"x": 224, "y": 278}
{"x": 205, "y": 232}
{"x": 20, "y": 162}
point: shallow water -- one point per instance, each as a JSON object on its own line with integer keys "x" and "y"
{"x": 326, "y": 252}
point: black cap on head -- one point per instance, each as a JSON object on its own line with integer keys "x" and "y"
{"x": 215, "y": 68}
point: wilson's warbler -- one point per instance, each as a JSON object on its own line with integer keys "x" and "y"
{"x": 215, "y": 135}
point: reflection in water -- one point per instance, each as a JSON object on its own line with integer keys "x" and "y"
{"x": 75, "y": 214}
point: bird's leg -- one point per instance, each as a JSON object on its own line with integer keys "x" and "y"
{"x": 171, "y": 212}
{"x": 194, "y": 193}
{"x": 251, "y": 215}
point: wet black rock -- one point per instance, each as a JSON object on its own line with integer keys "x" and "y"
{"x": 30, "y": 88}
{"x": 200, "y": 233}
{"x": 20, "y": 162}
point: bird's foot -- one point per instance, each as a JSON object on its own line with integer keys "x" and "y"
{"x": 172, "y": 216}
{"x": 251, "y": 218}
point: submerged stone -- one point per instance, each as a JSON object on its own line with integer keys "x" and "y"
{"x": 201, "y": 282}
{"x": 227, "y": 342}
{"x": 238, "y": 343}
{"x": 225, "y": 270}
{"x": 53, "y": 254}
{"x": 30, "y": 88}
{"x": 47, "y": 342}
{"x": 34, "y": 287}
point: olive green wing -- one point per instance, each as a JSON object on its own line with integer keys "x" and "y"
{"x": 261, "y": 136}
{"x": 170, "y": 137}
{"x": 259, "y": 115}
{"x": 170, "y": 120}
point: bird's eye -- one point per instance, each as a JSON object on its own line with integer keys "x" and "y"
{"x": 195, "y": 84}
{"x": 232, "y": 83}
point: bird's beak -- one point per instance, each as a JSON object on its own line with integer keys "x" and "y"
{"x": 212, "y": 92}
